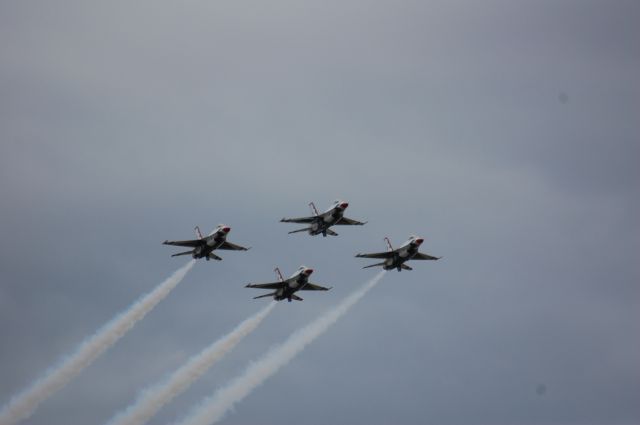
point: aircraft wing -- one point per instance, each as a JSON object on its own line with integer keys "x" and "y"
{"x": 232, "y": 247}
{"x": 421, "y": 256}
{"x": 349, "y": 221}
{"x": 387, "y": 254}
{"x": 191, "y": 243}
{"x": 313, "y": 287}
{"x": 298, "y": 220}
{"x": 274, "y": 285}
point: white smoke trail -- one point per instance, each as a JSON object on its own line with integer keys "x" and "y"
{"x": 152, "y": 399}
{"x": 24, "y": 404}
{"x": 212, "y": 409}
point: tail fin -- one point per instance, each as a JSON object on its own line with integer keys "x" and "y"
{"x": 389, "y": 247}
{"x": 373, "y": 265}
{"x": 198, "y": 233}
{"x": 214, "y": 256}
{"x": 300, "y": 230}
{"x": 405, "y": 267}
{"x": 278, "y": 274}
{"x": 314, "y": 210}
{"x": 331, "y": 232}
{"x": 295, "y": 297}
{"x": 183, "y": 253}
{"x": 265, "y": 295}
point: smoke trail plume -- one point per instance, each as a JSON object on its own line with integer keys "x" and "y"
{"x": 24, "y": 404}
{"x": 212, "y": 409}
{"x": 152, "y": 399}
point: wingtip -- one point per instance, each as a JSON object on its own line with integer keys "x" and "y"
{"x": 166, "y": 242}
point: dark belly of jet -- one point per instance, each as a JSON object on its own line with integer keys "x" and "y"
{"x": 204, "y": 252}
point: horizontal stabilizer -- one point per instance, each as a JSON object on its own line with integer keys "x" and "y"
{"x": 405, "y": 267}
{"x": 373, "y": 265}
{"x": 331, "y": 232}
{"x": 215, "y": 257}
{"x": 295, "y": 297}
{"x": 300, "y": 230}
{"x": 265, "y": 295}
{"x": 183, "y": 253}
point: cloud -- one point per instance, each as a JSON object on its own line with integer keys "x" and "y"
{"x": 123, "y": 125}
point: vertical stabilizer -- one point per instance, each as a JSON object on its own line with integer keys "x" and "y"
{"x": 314, "y": 210}
{"x": 278, "y": 274}
{"x": 389, "y": 247}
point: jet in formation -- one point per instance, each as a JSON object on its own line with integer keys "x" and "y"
{"x": 320, "y": 223}
{"x": 286, "y": 288}
{"x": 396, "y": 258}
{"x": 203, "y": 247}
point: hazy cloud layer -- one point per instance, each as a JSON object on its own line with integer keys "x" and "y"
{"x": 505, "y": 133}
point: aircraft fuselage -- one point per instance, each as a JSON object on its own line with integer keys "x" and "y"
{"x": 293, "y": 284}
{"x": 212, "y": 242}
{"x": 403, "y": 255}
{"x": 325, "y": 220}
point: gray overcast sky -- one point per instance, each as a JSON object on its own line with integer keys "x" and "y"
{"x": 505, "y": 132}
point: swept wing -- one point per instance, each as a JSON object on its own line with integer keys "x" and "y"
{"x": 232, "y": 247}
{"x": 313, "y": 287}
{"x": 350, "y": 221}
{"x": 421, "y": 256}
{"x": 272, "y": 285}
{"x": 388, "y": 254}
{"x": 303, "y": 220}
{"x": 190, "y": 243}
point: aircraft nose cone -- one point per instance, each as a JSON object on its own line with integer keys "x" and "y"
{"x": 419, "y": 241}
{"x": 344, "y": 205}
{"x": 226, "y": 229}
{"x": 308, "y": 271}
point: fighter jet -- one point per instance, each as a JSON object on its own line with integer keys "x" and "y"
{"x": 321, "y": 223}
{"x": 285, "y": 288}
{"x": 203, "y": 246}
{"x": 396, "y": 258}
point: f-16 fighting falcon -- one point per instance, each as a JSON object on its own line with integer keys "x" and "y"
{"x": 321, "y": 223}
{"x": 203, "y": 247}
{"x": 396, "y": 258}
{"x": 285, "y": 288}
